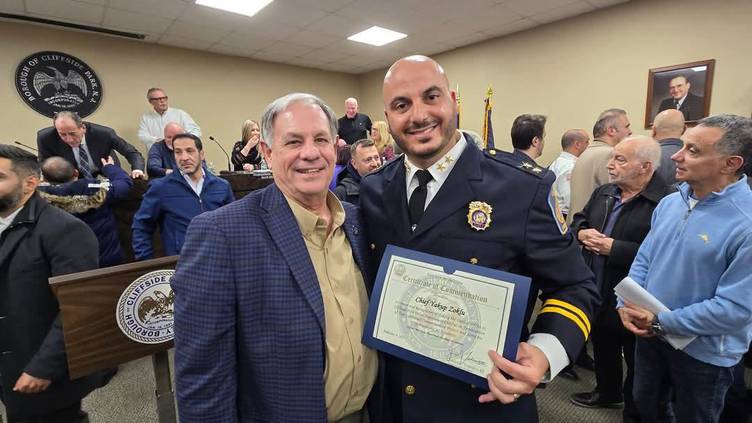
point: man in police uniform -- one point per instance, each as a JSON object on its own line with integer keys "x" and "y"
{"x": 422, "y": 201}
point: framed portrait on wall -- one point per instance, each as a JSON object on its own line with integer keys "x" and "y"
{"x": 686, "y": 87}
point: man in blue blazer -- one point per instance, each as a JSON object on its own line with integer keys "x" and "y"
{"x": 270, "y": 300}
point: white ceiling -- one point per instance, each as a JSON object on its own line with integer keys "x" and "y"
{"x": 312, "y": 33}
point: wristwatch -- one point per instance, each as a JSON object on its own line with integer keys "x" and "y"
{"x": 656, "y": 327}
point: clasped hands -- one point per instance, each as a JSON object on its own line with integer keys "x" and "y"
{"x": 595, "y": 242}
{"x": 636, "y": 319}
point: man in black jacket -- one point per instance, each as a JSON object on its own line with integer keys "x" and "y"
{"x": 36, "y": 243}
{"x": 85, "y": 144}
{"x": 364, "y": 159}
{"x": 611, "y": 228}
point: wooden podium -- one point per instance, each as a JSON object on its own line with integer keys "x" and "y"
{"x": 93, "y": 339}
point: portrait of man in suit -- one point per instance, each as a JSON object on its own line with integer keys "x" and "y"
{"x": 270, "y": 298}
{"x": 691, "y": 105}
{"x": 685, "y": 87}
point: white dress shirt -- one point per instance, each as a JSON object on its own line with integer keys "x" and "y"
{"x": 196, "y": 186}
{"x": 151, "y": 127}
{"x": 6, "y": 221}
{"x": 549, "y": 344}
{"x": 562, "y": 168}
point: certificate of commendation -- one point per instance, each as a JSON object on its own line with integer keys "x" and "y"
{"x": 444, "y": 314}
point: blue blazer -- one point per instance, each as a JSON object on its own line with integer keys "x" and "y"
{"x": 249, "y": 317}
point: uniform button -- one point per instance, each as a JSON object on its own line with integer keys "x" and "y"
{"x": 350, "y": 320}
{"x": 473, "y": 260}
{"x": 373, "y": 246}
{"x": 410, "y": 390}
{"x": 360, "y": 357}
{"x": 492, "y": 152}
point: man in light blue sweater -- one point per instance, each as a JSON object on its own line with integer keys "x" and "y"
{"x": 696, "y": 260}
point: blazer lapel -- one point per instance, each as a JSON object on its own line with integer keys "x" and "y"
{"x": 455, "y": 193}
{"x": 284, "y": 231}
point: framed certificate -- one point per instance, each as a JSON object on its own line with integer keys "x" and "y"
{"x": 444, "y": 314}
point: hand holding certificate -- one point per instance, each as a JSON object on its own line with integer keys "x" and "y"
{"x": 444, "y": 314}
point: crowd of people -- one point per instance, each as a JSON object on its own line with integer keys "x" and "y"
{"x": 272, "y": 290}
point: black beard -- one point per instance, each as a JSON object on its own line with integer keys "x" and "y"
{"x": 10, "y": 202}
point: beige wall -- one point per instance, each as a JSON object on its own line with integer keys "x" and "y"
{"x": 569, "y": 71}
{"x": 574, "y": 69}
{"x": 220, "y": 92}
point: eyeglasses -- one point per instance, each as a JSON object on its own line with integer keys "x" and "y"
{"x": 158, "y": 98}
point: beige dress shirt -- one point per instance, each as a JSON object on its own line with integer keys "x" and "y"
{"x": 588, "y": 174}
{"x": 350, "y": 370}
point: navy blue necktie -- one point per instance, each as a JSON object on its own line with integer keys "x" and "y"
{"x": 83, "y": 162}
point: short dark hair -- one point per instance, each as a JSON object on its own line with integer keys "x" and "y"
{"x": 365, "y": 142}
{"x": 607, "y": 119}
{"x": 736, "y": 139}
{"x": 525, "y": 128}
{"x": 22, "y": 162}
{"x": 195, "y": 139}
{"x": 57, "y": 170}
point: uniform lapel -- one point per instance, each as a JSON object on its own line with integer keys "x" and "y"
{"x": 284, "y": 231}
{"x": 455, "y": 193}
{"x": 395, "y": 200}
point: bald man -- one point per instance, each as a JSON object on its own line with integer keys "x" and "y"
{"x": 161, "y": 158}
{"x": 667, "y": 128}
{"x": 421, "y": 201}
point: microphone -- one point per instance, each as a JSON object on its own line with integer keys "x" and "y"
{"x": 26, "y": 146}
{"x": 229, "y": 166}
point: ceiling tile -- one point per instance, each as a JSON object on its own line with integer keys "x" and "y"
{"x": 339, "y": 26}
{"x": 326, "y": 55}
{"x": 290, "y": 14}
{"x": 271, "y": 56}
{"x": 11, "y": 6}
{"x": 516, "y": 26}
{"x": 67, "y": 10}
{"x": 130, "y": 21}
{"x": 170, "y": 9}
{"x": 325, "y": 5}
{"x": 287, "y": 49}
{"x": 207, "y": 16}
{"x": 529, "y": 8}
{"x": 267, "y": 29}
{"x": 312, "y": 39}
{"x": 247, "y": 42}
{"x": 211, "y": 34}
{"x": 565, "y": 12}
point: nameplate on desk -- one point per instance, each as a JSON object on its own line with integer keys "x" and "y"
{"x": 444, "y": 314}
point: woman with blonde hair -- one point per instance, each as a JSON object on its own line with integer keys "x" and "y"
{"x": 383, "y": 140}
{"x": 245, "y": 153}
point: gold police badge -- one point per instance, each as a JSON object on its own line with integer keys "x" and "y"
{"x": 479, "y": 215}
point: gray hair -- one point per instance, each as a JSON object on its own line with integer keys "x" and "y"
{"x": 283, "y": 103}
{"x": 736, "y": 139}
{"x": 364, "y": 143}
{"x": 646, "y": 150}
{"x": 70, "y": 115}
{"x": 606, "y": 120}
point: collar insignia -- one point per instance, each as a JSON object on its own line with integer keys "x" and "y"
{"x": 479, "y": 215}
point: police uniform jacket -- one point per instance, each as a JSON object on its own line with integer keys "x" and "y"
{"x": 523, "y": 237}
